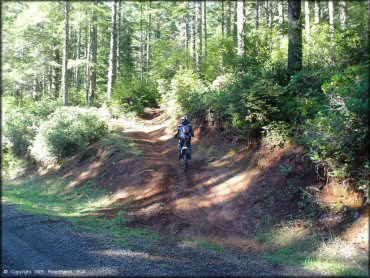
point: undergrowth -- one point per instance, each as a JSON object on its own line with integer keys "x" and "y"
{"x": 293, "y": 244}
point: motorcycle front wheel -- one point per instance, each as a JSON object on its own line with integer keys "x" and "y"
{"x": 184, "y": 163}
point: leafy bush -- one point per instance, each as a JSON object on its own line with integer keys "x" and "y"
{"x": 134, "y": 95}
{"x": 67, "y": 130}
{"x": 260, "y": 104}
{"x": 19, "y": 130}
{"x": 349, "y": 48}
{"x": 221, "y": 55}
{"x": 11, "y": 165}
{"x": 303, "y": 97}
{"x": 277, "y": 133}
{"x": 183, "y": 94}
{"x": 338, "y": 134}
{"x": 244, "y": 105}
{"x": 20, "y": 126}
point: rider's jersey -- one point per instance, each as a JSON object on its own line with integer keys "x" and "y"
{"x": 185, "y": 131}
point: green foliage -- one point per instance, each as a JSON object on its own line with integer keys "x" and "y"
{"x": 67, "y": 130}
{"x": 348, "y": 45}
{"x": 20, "y": 124}
{"x": 338, "y": 134}
{"x": 277, "y": 133}
{"x": 303, "y": 97}
{"x": 133, "y": 95}
{"x": 11, "y": 165}
{"x": 259, "y": 99}
{"x": 19, "y": 130}
{"x": 221, "y": 57}
{"x": 76, "y": 97}
{"x": 246, "y": 105}
{"x": 166, "y": 68}
{"x": 183, "y": 94}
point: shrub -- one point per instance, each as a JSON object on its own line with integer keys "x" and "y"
{"x": 19, "y": 130}
{"x": 67, "y": 130}
{"x": 184, "y": 94}
{"x": 338, "y": 134}
{"x": 20, "y": 126}
{"x": 134, "y": 95}
{"x": 253, "y": 103}
{"x": 244, "y": 105}
{"x": 303, "y": 97}
{"x": 11, "y": 165}
{"x": 277, "y": 133}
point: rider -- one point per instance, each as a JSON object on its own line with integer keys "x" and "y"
{"x": 184, "y": 133}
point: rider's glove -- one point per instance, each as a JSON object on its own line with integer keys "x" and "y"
{"x": 175, "y": 136}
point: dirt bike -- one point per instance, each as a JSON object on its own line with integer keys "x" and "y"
{"x": 184, "y": 159}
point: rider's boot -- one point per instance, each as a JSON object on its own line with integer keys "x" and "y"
{"x": 179, "y": 155}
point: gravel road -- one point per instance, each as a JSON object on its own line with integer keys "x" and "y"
{"x": 36, "y": 246}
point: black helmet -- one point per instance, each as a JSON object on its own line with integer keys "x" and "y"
{"x": 185, "y": 120}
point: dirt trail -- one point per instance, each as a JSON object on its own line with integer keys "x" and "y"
{"x": 213, "y": 201}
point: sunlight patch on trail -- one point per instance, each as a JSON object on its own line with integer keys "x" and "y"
{"x": 218, "y": 194}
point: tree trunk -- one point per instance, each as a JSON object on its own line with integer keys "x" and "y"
{"x": 56, "y": 73}
{"x": 307, "y": 21}
{"x": 281, "y": 12}
{"x": 343, "y": 14}
{"x": 228, "y": 19}
{"x": 267, "y": 12}
{"x": 86, "y": 34}
{"x": 235, "y": 28}
{"x": 240, "y": 26}
{"x": 271, "y": 13}
{"x": 50, "y": 75}
{"x": 332, "y": 29}
{"x": 148, "y": 42}
{"x": 257, "y": 15}
{"x": 113, "y": 52}
{"x": 118, "y": 38}
{"x": 141, "y": 46}
{"x": 205, "y": 31}
{"x": 368, "y": 19}
{"x": 244, "y": 14}
{"x": 78, "y": 56}
{"x": 88, "y": 60}
{"x": 222, "y": 18}
{"x": 187, "y": 19}
{"x": 295, "y": 36}
{"x": 192, "y": 35}
{"x": 331, "y": 19}
{"x": 86, "y": 55}
{"x": 34, "y": 88}
{"x": 198, "y": 8}
{"x": 94, "y": 48}
{"x": 317, "y": 11}
{"x": 43, "y": 86}
{"x": 158, "y": 33}
{"x": 65, "y": 56}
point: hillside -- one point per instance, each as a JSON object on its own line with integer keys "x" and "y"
{"x": 228, "y": 193}
{"x": 249, "y": 199}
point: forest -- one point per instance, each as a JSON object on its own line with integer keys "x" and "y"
{"x": 297, "y": 71}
